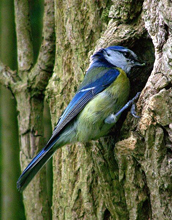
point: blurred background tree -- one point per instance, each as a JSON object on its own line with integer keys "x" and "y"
{"x": 11, "y": 204}
{"x": 11, "y": 200}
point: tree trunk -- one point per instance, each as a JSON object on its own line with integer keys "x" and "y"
{"x": 28, "y": 85}
{"x": 127, "y": 174}
{"x": 9, "y": 144}
{"x": 95, "y": 181}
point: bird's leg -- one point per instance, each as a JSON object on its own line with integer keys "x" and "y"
{"x": 113, "y": 118}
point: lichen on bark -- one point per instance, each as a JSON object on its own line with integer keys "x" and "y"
{"x": 87, "y": 179}
{"x": 152, "y": 143}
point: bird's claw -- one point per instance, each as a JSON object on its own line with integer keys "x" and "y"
{"x": 133, "y": 106}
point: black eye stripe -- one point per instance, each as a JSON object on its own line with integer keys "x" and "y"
{"x": 129, "y": 56}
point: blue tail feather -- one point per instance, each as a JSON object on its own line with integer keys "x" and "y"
{"x": 35, "y": 165}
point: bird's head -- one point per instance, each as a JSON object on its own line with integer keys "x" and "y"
{"x": 117, "y": 56}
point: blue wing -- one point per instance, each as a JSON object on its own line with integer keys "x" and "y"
{"x": 82, "y": 97}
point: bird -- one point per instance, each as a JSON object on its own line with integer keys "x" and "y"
{"x": 95, "y": 108}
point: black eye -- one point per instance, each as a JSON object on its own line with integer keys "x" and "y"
{"x": 127, "y": 54}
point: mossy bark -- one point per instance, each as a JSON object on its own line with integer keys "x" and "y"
{"x": 95, "y": 181}
{"x": 27, "y": 84}
{"x": 10, "y": 199}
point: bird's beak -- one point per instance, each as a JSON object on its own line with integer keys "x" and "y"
{"x": 139, "y": 64}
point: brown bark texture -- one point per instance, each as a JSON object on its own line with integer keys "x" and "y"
{"x": 128, "y": 174}
{"x": 27, "y": 84}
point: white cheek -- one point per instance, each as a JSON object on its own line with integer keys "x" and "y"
{"x": 119, "y": 61}
{"x": 116, "y": 59}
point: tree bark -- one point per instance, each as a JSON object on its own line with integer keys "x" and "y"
{"x": 95, "y": 181}
{"x": 28, "y": 85}
{"x": 10, "y": 199}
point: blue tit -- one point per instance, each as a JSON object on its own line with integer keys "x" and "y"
{"x": 94, "y": 109}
